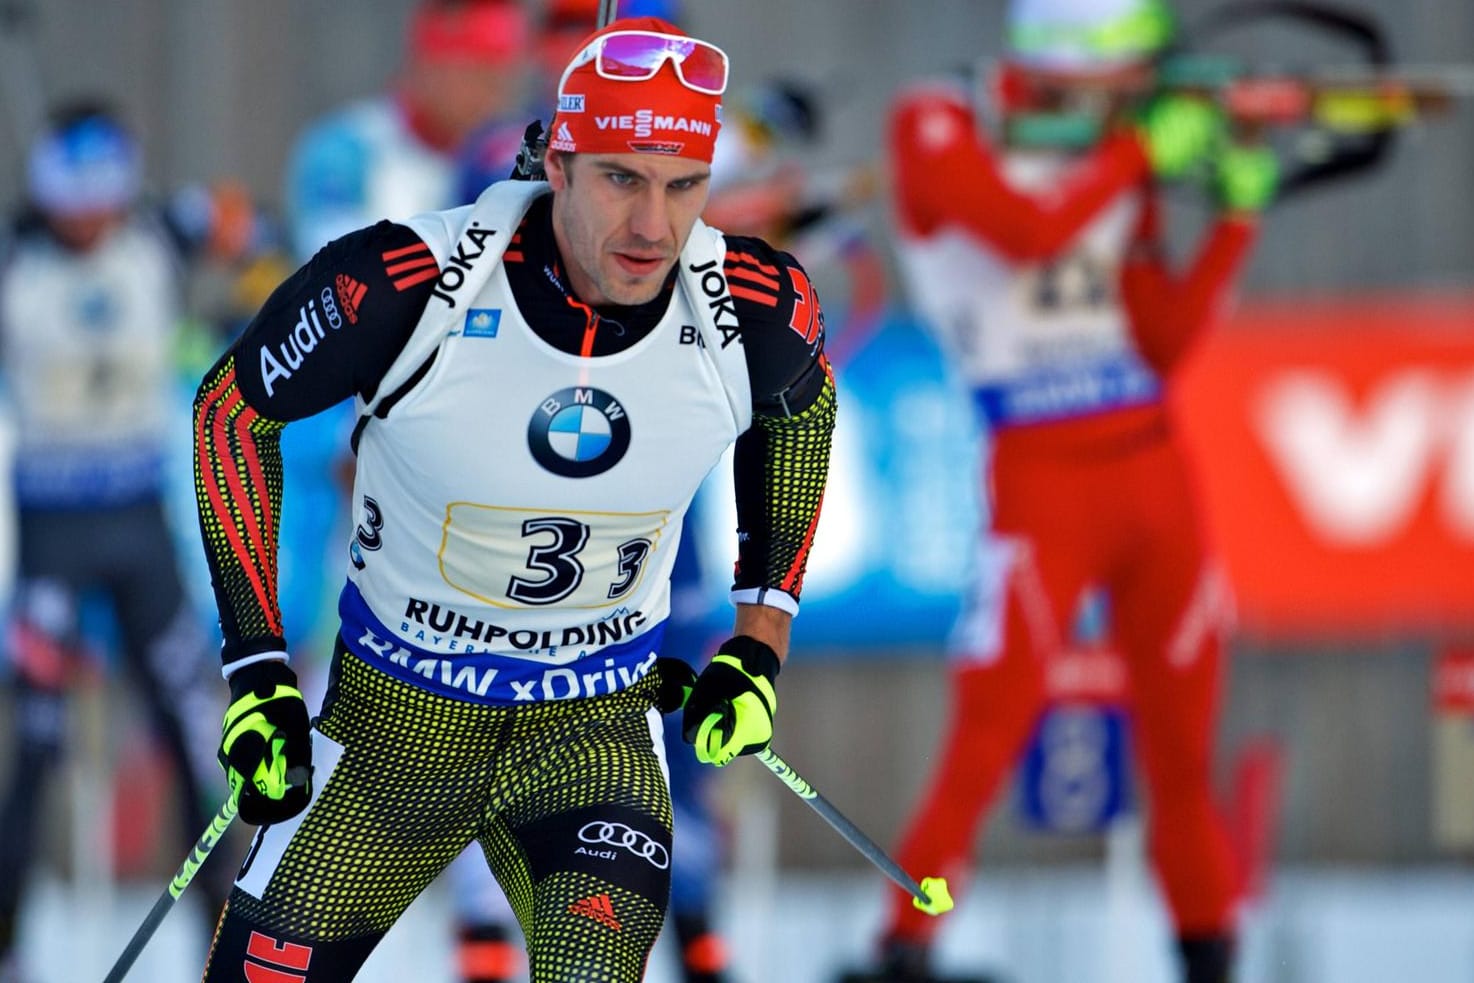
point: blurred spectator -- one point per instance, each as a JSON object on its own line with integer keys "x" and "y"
{"x": 1040, "y": 261}
{"x": 394, "y": 155}
{"x": 91, "y": 289}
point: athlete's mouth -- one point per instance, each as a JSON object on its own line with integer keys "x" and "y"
{"x": 639, "y": 264}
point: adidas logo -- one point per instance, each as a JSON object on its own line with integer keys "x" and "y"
{"x": 410, "y": 265}
{"x": 599, "y": 908}
{"x": 564, "y": 133}
{"x": 350, "y": 295}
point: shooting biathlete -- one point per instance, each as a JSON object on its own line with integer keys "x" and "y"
{"x": 91, "y": 306}
{"x": 543, "y": 379}
{"x": 1041, "y": 263}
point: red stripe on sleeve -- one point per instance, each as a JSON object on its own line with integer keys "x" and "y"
{"x": 756, "y": 296}
{"x": 257, "y": 475}
{"x": 751, "y": 260}
{"x": 394, "y": 254}
{"x": 404, "y": 283}
{"x": 237, "y": 489}
{"x": 793, "y": 581}
{"x": 209, "y": 480}
{"x": 753, "y": 276}
{"x": 395, "y": 269}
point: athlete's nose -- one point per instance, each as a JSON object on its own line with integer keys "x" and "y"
{"x": 649, "y": 220}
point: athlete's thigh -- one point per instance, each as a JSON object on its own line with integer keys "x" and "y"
{"x": 315, "y": 894}
{"x": 587, "y": 852}
{"x": 1049, "y": 533}
{"x": 1167, "y": 591}
{"x": 1172, "y": 608}
{"x": 53, "y": 569}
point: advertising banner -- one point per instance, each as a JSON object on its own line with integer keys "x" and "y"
{"x": 1335, "y": 442}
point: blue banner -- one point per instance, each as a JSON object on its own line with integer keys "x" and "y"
{"x": 897, "y": 536}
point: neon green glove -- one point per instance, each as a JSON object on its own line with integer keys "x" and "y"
{"x": 1179, "y": 132}
{"x": 1246, "y": 178}
{"x": 730, "y": 709}
{"x": 266, "y": 743}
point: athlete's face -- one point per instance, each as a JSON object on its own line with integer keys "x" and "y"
{"x": 621, "y": 220}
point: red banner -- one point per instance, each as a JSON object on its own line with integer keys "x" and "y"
{"x": 1335, "y": 443}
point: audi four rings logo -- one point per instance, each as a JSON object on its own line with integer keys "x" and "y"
{"x": 620, "y": 835}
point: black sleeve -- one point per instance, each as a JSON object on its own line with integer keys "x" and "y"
{"x": 333, "y": 328}
{"x": 782, "y": 462}
{"x": 782, "y": 325}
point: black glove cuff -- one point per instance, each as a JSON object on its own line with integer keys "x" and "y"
{"x": 676, "y": 681}
{"x": 261, "y": 678}
{"x": 757, "y": 658}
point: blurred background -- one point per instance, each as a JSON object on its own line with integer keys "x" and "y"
{"x": 1332, "y": 426}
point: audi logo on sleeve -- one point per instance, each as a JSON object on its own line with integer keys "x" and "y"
{"x": 618, "y": 836}
{"x": 579, "y": 432}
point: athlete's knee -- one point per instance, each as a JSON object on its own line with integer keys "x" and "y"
{"x": 603, "y": 933}
{"x": 603, "y": 880}
{"x": 42, "y": 641}
{"x": 245, "y": 949}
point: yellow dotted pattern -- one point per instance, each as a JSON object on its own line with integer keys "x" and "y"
{"x": 798, "y": 465}
{"x": 422, "y": 776}
{"x": 567, "y": 945}
{"x": 238, "y": 487}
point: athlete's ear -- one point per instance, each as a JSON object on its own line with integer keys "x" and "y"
{"x": 556, "y": 165}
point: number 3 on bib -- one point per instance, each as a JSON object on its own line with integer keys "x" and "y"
{"x": 512, "y": 557}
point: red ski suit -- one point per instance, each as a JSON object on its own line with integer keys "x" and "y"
{"x": 1066, "y": 320}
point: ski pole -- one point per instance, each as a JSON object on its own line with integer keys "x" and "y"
{"x": 930, "y": 896}
{"x": 211, "y": 836}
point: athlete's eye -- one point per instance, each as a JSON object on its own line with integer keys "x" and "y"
{"x": 622, "y": 179}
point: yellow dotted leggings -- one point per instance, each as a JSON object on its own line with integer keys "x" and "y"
{"x": 568, "y": 801}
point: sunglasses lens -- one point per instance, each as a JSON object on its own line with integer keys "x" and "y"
{"x": 639, "y": 56}
{"x": 635, "y": 56}
{"x": 705, "y": 68}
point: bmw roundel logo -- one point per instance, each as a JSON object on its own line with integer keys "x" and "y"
{"x": 579, "y": 432}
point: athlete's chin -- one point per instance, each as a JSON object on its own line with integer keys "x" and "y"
{"x": 630, "y": 289}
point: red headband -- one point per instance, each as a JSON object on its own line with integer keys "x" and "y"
{"x": 491, "y": 31}
{"x": 659, "y": 115}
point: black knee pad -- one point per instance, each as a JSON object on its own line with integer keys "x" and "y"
{"x": 244, "y": 949}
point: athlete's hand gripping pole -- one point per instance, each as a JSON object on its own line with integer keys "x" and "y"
{"x": 729, "y": 709}
{"x": 266, "y": 743}
{"x": 677, "y": 679}
{"x": 206, "y": 843}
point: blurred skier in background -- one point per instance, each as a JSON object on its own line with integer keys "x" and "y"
{"x": 1036, "y": 252}
{"x": 92, "y": 291}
